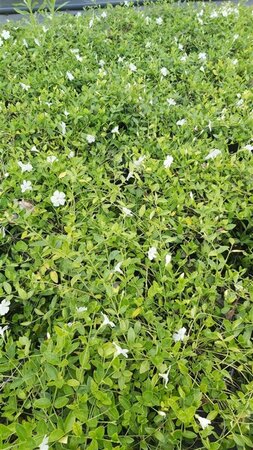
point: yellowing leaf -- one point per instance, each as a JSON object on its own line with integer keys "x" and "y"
{"x": 54, "y": 276}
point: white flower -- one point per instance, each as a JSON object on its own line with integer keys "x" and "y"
{"x": 168, "y": 259}
{"x": 234, "y": 62}
{"x": 161, "y": 413}
{"x": 25, "y": 43}
{"x": 138, "y": 162}
{"x": 26, "y": 186}
{"x": 48, "y": 335}
{"x": 148, "y": 44}
{"x": 66, "y": 113}
{"x": 2, "y": 330}
{"x": 90, "y": 138}
{"x": 5, "y": 34}
{"x": 168, "y": 161}
{"x": 180, "y": 47}
{"x": 48, "y": 104}
{"x": 71, "y": 154}
{"x": 74, "y": 50}
{"x": 152, "y": 253}
{"x": 37, "y": 42}
{"x": 147, "y": 20}
{"x": 44, "y": 444}
{"x": 6, "y": 175}
{"x": 117, "y": 268}
{"x": 202, "y": 56}
{"x": 81, "y": 309}
{"x": 120, "y": 59}
{"x": 101, "y": 63}
{"x": 25, "y": 167}
{"x": 58, "y": 198}
{"x": 115, "y": 129}
{"x": 45, "y": 29}
{"x": 179, "y": 335}
{"x": 164, "y": 71}
{"x": 184, "y": 58}
{"x": 203, "y": 421}
{"x": 132, "y": 67}
{"x": 52, "y": 158}
{"x": 181, "y": 122}
{"x": 171, "y": 101}
{"x": 214, "y": 15}
{"x": 236, "y": 36}
{"x": 165, "y": 377}
{"x": 159, "y": 21}
{"x": 127, "y": 212}
{"x": 91, "y": 23}
{"x": 24, "y": 86}
{"x": 120, "y": 351}
{"x": 107, "y": 321}
{"x": 4, "y": 307}
{"x": 79, "y": 58}
{"x": 249, "y": 147}
{"x": 70, "y": 76}
{"x": 34, "y": 149}
{"x": 240, "y": 102}
{"x": 191, "y": 195}
{"x": 213, "y": 154}
{"x": 1, "y": 42}
{"x": 104, "y": 15}
{"x": 63, "y": 127}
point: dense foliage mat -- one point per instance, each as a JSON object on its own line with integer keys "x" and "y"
{"x": 126, "y": 230}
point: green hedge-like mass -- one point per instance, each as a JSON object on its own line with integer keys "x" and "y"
{"x": 126, "y": 229}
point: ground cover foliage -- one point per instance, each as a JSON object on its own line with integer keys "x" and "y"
{"x": 126, "y": 230}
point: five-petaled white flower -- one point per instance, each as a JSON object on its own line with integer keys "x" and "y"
{"x": 44, "y": 444}
{"x": 203, "y": 421}
{"x": 4, "y": 307}
{"x": 71, "y": 154}
{"x": 202, "y": 56}
{"x": 126, "y": 211}
{"x": 132, "y": 67}
{"x": 104, "y": 15}
{"x": 181, "y": 122}
{"x": 117, "y": 268}
{"x": 2, "y": 330}
{"x": 164, "y": 71}
{"x": 165, "y": 377}
{"x": 25, "y": 167}
{"x": 24, "y": 86}
{"x": 107, "y": 321}
{"x": 159, "y": 21}
{"x": 168, "y": 161}
{"x": 90, "y": 138}
{"x": 115, "y": 129}
{"x": 152, "y": 253}
{"x": 52, "y": 158}
{"x": 63, "y": 127}
{"x": 120, "y": 351}
{"x": 213, "y": 154}
{"x": 58, "y": 198}
{"x": 81, "y": 309}
{"x": 171, "y": 101}
{"x": 5, "y": 34}
{"x": 26, "y": 186}
{"x": 168, "y": 259}
{"x": 70, "y": 76}
{"x": 179, "y": 335}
